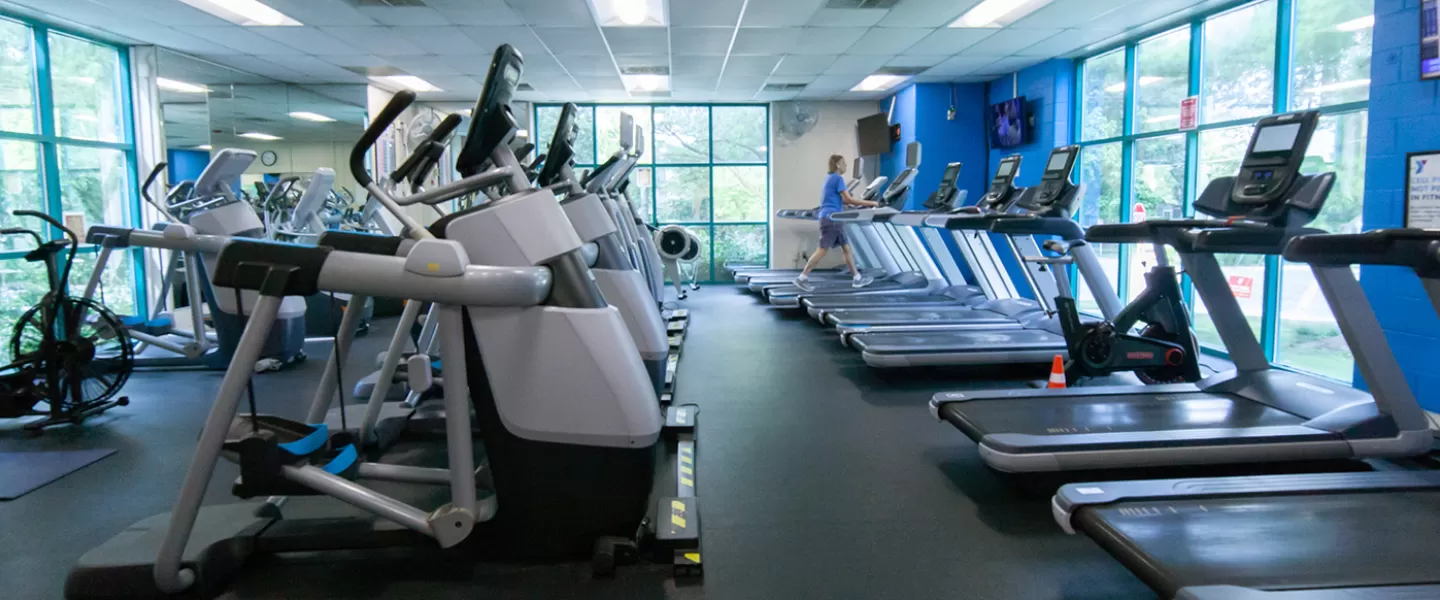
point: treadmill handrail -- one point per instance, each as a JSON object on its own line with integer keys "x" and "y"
{"x": 1398, "y": 247}
{"x": 1063, "y": 227}
{"x": 1154, "y": 230}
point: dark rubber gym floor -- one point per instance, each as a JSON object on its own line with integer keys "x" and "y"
{"x": 819, "y": 478}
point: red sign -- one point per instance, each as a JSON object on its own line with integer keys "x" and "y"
{"x": 1189, "y": 113}
{"x": 1242, "y": 286}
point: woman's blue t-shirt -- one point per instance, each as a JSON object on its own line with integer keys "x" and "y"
{"x": 831, "y": 202}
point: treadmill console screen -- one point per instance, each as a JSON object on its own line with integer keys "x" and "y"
{"x": 1057, "y": 162}
{"x": 1277, "y": 148}
{"x": 1001, "y": 184}
{"x": 952, "y": 172}
{"x": 1056, "y": 180}
{"x": 1007, "y": 167}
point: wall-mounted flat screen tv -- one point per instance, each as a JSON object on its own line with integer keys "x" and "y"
{"x": 1429, "y": 40}
{"x": 873, "y": 134}
{"x": 1007, "y": 123}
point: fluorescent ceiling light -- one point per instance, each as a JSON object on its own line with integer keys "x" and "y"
{"x": 1365, "y": 22}
{"x": 997, "y": 13}
{"x": 875, "y": 83}
{"x": 1339, "y": 85}
{"x": 205, "y": 147}
{"x": 1163, "y": 119}
{"x": 310, "y": 116}
{"x": 255, "y": 135}
{"x": 646, "y": 83}
{"x": 246, "y": 13}
{"x": 630, "y": 13}
{"x": 409, "y": 82}
{"x": 1116, "y": 88}
{"x": 180, "y": 86}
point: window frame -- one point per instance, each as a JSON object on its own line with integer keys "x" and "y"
{"x": 655, "y": 164}
{"x": 1130, "y": 135}
{"x": 49, "y": 142}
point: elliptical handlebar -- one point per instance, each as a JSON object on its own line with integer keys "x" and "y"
{"x": 74, "y": 239}
{"x": 150, "y": 180}
{"x": 398, "y": 103}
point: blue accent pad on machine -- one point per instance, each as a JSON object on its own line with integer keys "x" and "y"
{"x": 310, "y": 443}
{"x": 342, "y": 461}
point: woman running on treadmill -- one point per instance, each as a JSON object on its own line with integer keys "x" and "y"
{"x": 834, "y": 200}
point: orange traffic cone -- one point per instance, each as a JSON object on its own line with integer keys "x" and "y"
{"x": 1057, "y": 373}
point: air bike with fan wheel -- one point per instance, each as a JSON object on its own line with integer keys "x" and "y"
{"x": 679, "y": 248}
{"x": 1254, "y": 413}
{"x": 578, "y": 459}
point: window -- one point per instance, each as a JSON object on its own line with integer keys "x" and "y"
{"x": 1163, "y": 63}
{"x": 1103, "y": 101}
{"x": 704, "y": 167}
{"x": 1138, "y": 162}
{"x": 70, "y": 157}
{"x": 1238, "y": 78}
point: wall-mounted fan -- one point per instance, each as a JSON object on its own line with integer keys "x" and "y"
{"x": 796, "y": 119}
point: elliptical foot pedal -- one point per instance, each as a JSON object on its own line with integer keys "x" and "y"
{"x": 680, "y": 419}
{"x": 612, "y": 551}
{"x": 679, "y": 314}
{"x": 677, "y": 535}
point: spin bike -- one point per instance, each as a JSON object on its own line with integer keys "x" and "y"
{"x": 69, "y": 352}
{"x": 1164, "y": 351}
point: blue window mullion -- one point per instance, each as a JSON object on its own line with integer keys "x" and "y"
{"x": 1192, "y": 148}
{"x": 1270, "y": 313}
{"x": 45, "y": 109}
{"x": 1127, "y": 168}
{"x": 710, "y": 142}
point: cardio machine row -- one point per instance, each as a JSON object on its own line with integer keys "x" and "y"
{"x": 1325, "y": 535}
{"x": 537, "y": 312}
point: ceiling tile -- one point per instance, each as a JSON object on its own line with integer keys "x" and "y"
{"x": 888, "y": 41}
{"x": 490, "y": 38}
{"x": 253, "y": 64}
{"x": 331, "y": 13}
{"x": 700, "y": 41}
{"x": 834, "y": 82}
{"x": 928, "y": 77}
{"x": 380, "y": 41}
{"x": 572, "y": 40}
{"x": 552, "y": 84}
{"x": 764, "y": 41}
{"x": 588, "y": 65}
{"x": 306, "y": 39}
{"x": 242, "y": 40}
{"x": 753, "y": 66}
{"x": 705, "y": 13}
{"x": 611, "y": 83}
{"x": 493, "y": 13}
{"x": 470, "y": 64}
{"x": 427, "y": 66}
{"x": 790, "y": 79}
{"x": 405, "y": 15}
{"x": 847, "y": 17}
{"x": 863, "y": 65}
{"x": 355, "y": 61}
{"x": 176, "y": 15}
{"x": 443, "y": 40}
{"x": 314, "y": 67}
{"x": 696, "y": 65}
{"x": 917, "y": 60}
{"x": 962, "y": 65}
{"x": 774, "y": 96}
{"x": 1008, "y": 65}
{"x": 638, "y": 40}
{"x": 827, "y": 40}
{"x": 804, "y": 65}
{"x": 779, "y": 13}
{"x": 739, "y": 83}
{"x": 642, "y": 60}
{"x": 926, "y": 13}
{"x": 949, "y": 41}
{"x": 1060, "y": 14}
{"x": 553, "y": 13}
{"x": 1010, "y": 40}
{"x": 1057, "y": 45}
{"x": 693, "y": 82}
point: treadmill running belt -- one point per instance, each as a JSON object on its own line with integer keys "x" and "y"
{"x": 957, "y": 341}
{"x": 917, "y": 316}
{"x": 836, "y": 302}
{"x": 1274, "y": 542}
{"x": 831, "y": 287}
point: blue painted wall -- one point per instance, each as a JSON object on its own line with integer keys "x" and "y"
{"x": 1047, "y": 91}
{"x": 185, "y": 165}
{"x": 1403, "y": 118}
{"x": 921, "y": 109}
{"x": 902, "y": 114}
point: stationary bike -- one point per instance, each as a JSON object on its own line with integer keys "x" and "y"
{"x": 1165, "y": 351}
{"x": 69, "y": 352}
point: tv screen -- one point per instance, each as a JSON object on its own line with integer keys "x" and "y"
{"x": 874, "y": 134}
{"x": 1429, "y": 40}
{"x": 1007, "y": 123}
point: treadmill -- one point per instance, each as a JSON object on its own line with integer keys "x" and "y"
{"x": 864, "y": 257}
{"x": 871, "y": 248}
{"x": 1254, "y": 413}
{"x": 1052, "y": 199}
{"x": 1003, "y": 332}
{"x": 979, "y": 254}
{"x": 920, "y": 274}
{"x": 1334, "y": 535}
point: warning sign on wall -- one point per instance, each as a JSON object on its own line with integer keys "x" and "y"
{"x": 1189, "y": 113}
{"x": 1242, "y": 286}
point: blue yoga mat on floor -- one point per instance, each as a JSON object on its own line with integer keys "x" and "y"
{"x": 25, "y": 472}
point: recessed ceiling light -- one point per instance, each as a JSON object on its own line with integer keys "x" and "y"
{"x": 1339, "y": 85}
{"x": 1365, "y": 22}
{"x": 246, "y": 13}
{"x": 255, "y": 135}
{"x": 205, "y": 147}
{"x": 180, "y": 86}
{"x": 310, "y": 116}
{"x": 646, "y": 83}
{"x": 997, "y": 13}
{"x": 409, "y": 82}
{"x": 875, "y": 83}
{"x": 630, "y": 13}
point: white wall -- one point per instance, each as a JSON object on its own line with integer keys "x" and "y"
{"x": 797, "y": 172}
{"x": 302, "y": 159}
